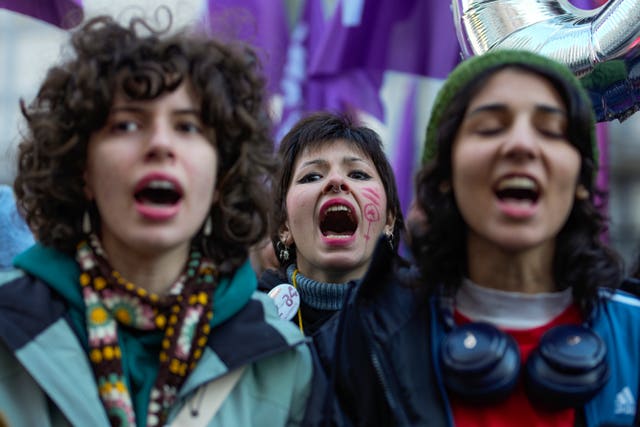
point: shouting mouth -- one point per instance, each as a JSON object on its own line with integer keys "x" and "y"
{"x": 338, "y": 221}
{"x": 518, "y": 189}
{"x": 158, "y": 197}
{"x": 158, "y": 192}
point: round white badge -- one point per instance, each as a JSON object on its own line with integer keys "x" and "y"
{"x": 287, "y": 300}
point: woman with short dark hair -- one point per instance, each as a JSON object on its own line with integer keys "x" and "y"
{"x": 335, "y": 196}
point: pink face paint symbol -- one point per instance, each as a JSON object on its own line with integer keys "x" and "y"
{"x": 371, "y": 213}
{"x": 372, "y": 195}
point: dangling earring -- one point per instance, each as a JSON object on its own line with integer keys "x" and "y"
{"x": 283, "y": 251}
{"x": 389, "y": 236}
{"x": 86, "y": 222}
{"x": 207, "y": 226}
{"x": 581, "y": 192}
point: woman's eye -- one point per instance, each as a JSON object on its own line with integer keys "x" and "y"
{"x": 489, "y": 130}
{"x": 550, "y": 130}
{"x": 553, "y": 133}
{"x": 125, "y": 126}
{"x": 189, "y": 127}
{"x": 310, "y": 177}
{"x": 360, "y": 175}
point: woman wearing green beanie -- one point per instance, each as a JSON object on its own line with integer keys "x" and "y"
{"x": 516, "y": 318}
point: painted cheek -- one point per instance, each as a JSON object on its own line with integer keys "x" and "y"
{"x": 371, "y": 210}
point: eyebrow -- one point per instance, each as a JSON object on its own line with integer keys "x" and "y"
{"x": 137, "y": 109}
{"x": 322, "y": 162}
{"x": 503, "y": 107}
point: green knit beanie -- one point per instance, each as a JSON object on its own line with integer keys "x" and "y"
{"x": 474, "y": 66}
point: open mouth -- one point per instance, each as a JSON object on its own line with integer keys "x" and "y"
{"x": 519, "y": 189}
{"x": 158, "y": 192}
{"x": 338, "y": 221}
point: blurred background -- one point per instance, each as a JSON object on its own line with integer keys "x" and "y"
{"x": 383, "y": 60}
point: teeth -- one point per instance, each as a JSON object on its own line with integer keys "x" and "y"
{"x": 517, "y": 182}
{"x": 338, "y": 236}
{"x": 160, "y": 185}
{"x": 338, "y": 208}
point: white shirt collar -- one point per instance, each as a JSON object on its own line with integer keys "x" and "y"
{"x": 510, "y": 310}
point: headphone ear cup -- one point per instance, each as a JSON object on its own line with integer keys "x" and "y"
{"x": 480, "y": 363}
{"x": 567, "y": 368}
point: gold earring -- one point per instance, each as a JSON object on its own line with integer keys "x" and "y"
{"x": 581, "y": 192}
{"x": 207, "y": 226}
{"x": 86, "y": 223}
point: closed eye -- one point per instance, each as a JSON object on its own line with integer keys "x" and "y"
{"x": 489, "y": 131}
{"x": 552, "y": 133}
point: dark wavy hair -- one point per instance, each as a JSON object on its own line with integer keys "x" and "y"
{"x": 581, "y": 260}
{"x": 312, "y": 132}
{"x": 74, "y": 101}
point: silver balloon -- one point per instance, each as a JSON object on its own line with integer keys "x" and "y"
{"x": 601, "y": 46}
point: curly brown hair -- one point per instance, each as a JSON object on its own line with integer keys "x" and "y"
{"x": 74, "y": 101}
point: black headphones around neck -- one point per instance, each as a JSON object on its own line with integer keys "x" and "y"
{"x": 481, "y": 364}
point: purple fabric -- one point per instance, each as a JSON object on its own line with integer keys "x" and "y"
{"x": 337, "y": 67}
{"x": 412, "y": 36}
{"x": 346, "y": 63}
{"x": 262, "y": 24}
{"x": 406, "y": 149}
{"x": 343, "y": 90}
{"x": 62, "y": 13}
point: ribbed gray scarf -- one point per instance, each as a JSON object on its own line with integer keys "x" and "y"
{"x": 319, "y": 295}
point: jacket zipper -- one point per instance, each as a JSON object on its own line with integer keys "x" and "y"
{"x": 386, "y": 388}
{"x": 383, "y": 382}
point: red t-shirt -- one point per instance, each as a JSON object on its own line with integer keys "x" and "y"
{"x": 517, "y": 409}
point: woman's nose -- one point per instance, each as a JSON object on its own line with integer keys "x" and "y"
{"x": 160, "y": 144}
{"x": 336, "y": 184}
{"x": 522, "y": 142}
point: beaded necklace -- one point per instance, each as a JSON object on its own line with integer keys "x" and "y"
{"x": 184, "y": 315}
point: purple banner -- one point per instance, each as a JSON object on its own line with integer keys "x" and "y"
{"x": 412, "y": 36}
{"x": 62, "y": 13}
{"x": 262, "y": 24}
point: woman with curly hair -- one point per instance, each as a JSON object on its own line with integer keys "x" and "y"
{"x": 143, "y": 177}
{"x": 516, "y": 318}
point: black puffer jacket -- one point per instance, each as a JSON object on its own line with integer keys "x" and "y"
{"x": 376, "y": 353}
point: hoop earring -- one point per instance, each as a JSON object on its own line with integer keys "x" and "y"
{"x": 283, "y": 251}
{"x": 581, "y": 192}
{"x": 86, "y": 222}
{"x": 207, "y": 226}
